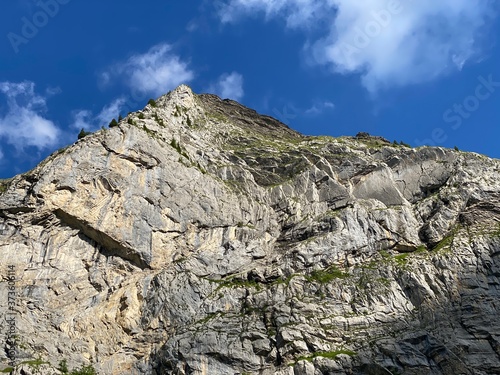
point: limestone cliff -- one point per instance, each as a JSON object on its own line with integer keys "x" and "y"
{"x": 199, "y": 237}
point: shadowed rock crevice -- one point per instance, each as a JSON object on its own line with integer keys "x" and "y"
{"x": 107, "y": 245}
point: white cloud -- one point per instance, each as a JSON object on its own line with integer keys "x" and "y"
{"x": 23, "y": 124}
{"x": 84, "y": 119}
{"x": 389, "y": 43}
{"x": 111, "y": 111}
{"x": 51, "y": 91}
{"x": 154, "y": 73}
{"x": 298, "y": 13}
{"x": 104, "y": 80}
{"x": 319, "y": 108}
{"x": 229, "y": 85}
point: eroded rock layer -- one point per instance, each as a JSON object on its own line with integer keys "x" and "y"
{"x": 199, "y": 237}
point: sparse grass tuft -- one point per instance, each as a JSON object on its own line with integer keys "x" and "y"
{"x": 446, "y": 242}
{"x": 179, "y": 148}
{"x": 84, "y": 370}
{"x": 401, "y": 259}
{"x": 326, "y": 275}
{"x": 149, "y": 131}
{"x": 158, "y": 120}
{"x": 236, "y": 283}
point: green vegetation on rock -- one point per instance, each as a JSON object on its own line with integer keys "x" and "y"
{"x": 327, "y": 275}
{"x": 83, "y": 133}
{"x": 158, "y": 119}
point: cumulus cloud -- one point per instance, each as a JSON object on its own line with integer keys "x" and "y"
{"x": 229, "y": 85}
{"x": 24, "y": 124}
{"x": 154, "y": 73}
{"x": 389, "y": 43}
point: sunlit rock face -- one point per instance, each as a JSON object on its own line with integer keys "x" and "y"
{"x": 199, "y": 237}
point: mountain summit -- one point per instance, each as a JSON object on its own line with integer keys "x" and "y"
{"x": 200, "y": 237}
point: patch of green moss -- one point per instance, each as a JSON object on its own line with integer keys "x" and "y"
{"x": 84, "y": 370}
{"x": 179, "y": 148}
{"x": 372, "y": 266}
{"x": 158, "y": 120}
{"x": 445, "y": 243}
{"x": 7, "y": 370}
{"x": 217, "y": 117}
{"x": 495, "y": 233}
{"x": 385, "y": 254}
{"x": 235, "y": 186}
{"x": 373, "y": 143}
{"x": 384, "y": 281}
{"x": 331, "y": 213}
{"x": 63, "y": 366}
{"x": 35, "y": 362}
{"x": 327, "y": 275}
{"x": 236, "y": 283}
{"x": 61, "y": 150}
{"x": 176, "y": 145}
{"x": 401, "y": 259}
{"x": 178, "y": 111}
{"x": 421, "y": 249}
{"x": 200, "y": 168}
{"x": 240, "y": 224}
{"x": 490, "y": 231}
{"x": 284, "y": 280}
{"x": 149, "y": 131}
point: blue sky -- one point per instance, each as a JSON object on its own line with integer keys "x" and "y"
{"x": 425, "y": 72}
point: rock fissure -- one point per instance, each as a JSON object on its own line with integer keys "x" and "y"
{"x": 108, "y": 245}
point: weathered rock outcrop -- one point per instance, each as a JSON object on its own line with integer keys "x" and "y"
{"x": 199, "y": 237}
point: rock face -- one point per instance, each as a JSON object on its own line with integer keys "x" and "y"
{"x": 199, "y": 237}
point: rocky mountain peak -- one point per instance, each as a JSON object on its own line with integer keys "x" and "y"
{"x": 200, "y": 237}
{"x": 181, "y": 96}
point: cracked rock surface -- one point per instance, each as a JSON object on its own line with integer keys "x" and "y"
{"x": 199, "y": 237}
